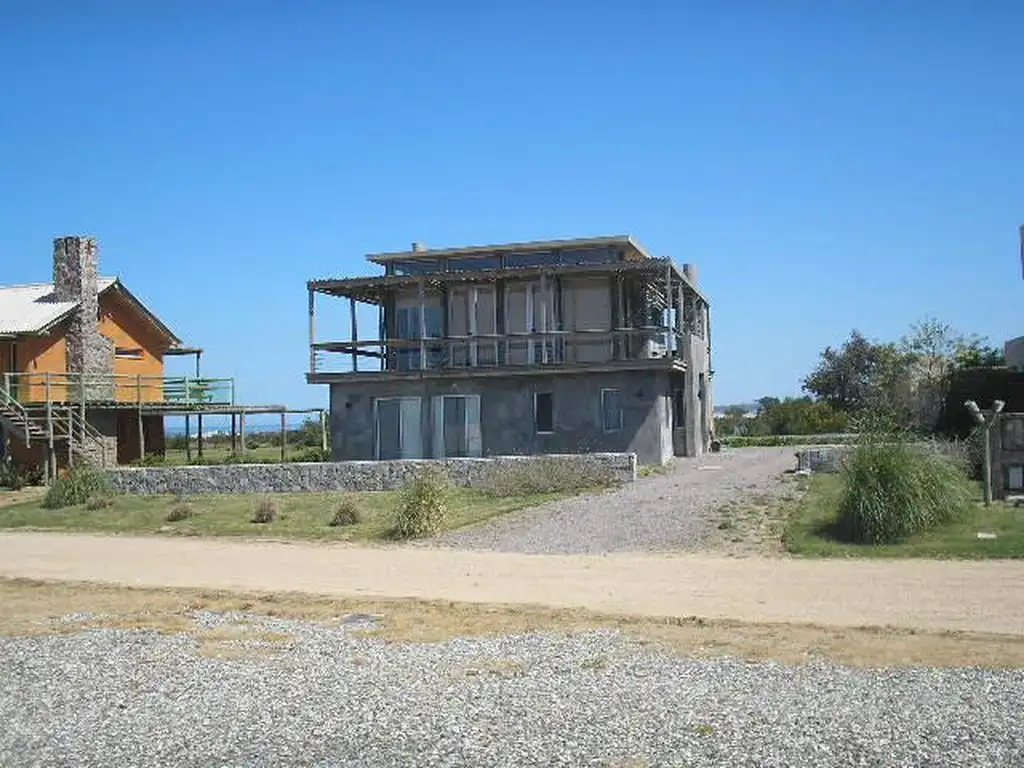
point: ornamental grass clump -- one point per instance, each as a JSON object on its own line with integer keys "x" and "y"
{"x": 893, "y": 489}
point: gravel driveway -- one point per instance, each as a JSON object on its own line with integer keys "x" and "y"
{"x": 669, "y": 511}
{"x": 119, "y": 697}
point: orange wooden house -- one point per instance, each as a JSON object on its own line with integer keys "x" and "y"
{"x": 82, "y": 366}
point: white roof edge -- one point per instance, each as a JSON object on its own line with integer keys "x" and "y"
{"x": 530, "y": 245}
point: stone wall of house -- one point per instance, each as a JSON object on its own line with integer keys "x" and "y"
{"x": 75, "y": 278}
{"x": 357, "y": 475}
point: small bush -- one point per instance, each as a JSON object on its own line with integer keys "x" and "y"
{"x": 544, "y": 475}
{"x": 12, "y": 477}
{"x": 75, "y": 487}
{"x": 893, "y": 489}
{"x": 265, "y": 511}
{"x": 311, "y": 456}
{"x": 98, "y": 502}
{"x": 423, "y": 508}
{"x": 180, "y": 510}
{"x": 346, "y": 513}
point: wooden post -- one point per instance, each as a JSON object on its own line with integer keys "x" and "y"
{"x": 241, "y": 430}
{"x": 668, "y": 306}
{"x": 142, "y": 436}
{"x": 82, "y": 412}
{"x": 188, "y": 440}
{"x": 622, "y": 348}
{"x": 233, "y": 447}
{"x": 323, "y": 430}
{"x": 284, "y": 437}
{"x": 504, "y": 321}
{"x": 312, "y": 331}
{"x": 71, "y": 434}
{"x": 381, "y": 335}
{"x": 544, "y": 317}
{"x": 199, "y": 436}
{"x": 421, "y": 288}
{"x": 355, "y": 333}
{"x": 51, "y": 460}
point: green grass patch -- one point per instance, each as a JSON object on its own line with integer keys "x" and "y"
{"x": 299, "y": 515}
{"x": 777, "y": 441}
{"x": 813, "y": 529}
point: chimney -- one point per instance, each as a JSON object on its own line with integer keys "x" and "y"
{"x": 690, "y": 272}
{"x": 75, "y": 279}
{"x": 418, "y": 247}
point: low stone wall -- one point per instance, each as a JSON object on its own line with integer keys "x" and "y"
{"x": 821, "y": 458}
{"x": 351, "y": 475}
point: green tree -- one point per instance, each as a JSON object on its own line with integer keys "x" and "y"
{"x": 860, "y": 375}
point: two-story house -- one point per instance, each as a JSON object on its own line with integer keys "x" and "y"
{"x": 82, "y": 367}
{"x": 565, "y": 346}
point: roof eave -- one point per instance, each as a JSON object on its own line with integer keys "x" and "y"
{"x": 535, "y": 245}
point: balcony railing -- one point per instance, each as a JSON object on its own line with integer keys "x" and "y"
{"x": 500, "y": 350}
{"x": 185, "y": 391}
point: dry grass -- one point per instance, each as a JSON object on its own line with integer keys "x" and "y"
{"x": 33, "y": 608}
{"x": 22, "y": 496}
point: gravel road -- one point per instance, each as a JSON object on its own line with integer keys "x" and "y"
{"x": 669, "y": 511}
{"x": 134, "y": 697}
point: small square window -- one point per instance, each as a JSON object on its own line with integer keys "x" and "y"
{"x": 543, "y": 412}
{"x": 611, "y": 410}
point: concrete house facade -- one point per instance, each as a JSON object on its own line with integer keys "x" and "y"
{"x": 569, "y": 346}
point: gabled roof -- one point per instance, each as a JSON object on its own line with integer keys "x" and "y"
{"x": 32, "y": 309}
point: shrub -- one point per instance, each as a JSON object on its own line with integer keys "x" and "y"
{"x": 265, "y": 511}
{"x": 893, "y": 489}
{"x": 12, "y": 477}
{"x": 346, "y": 513}
{"x": 547, "y": 474}
{"x": 312, "y": 456}
{"x": 180, "y": 510}
{"x": 75, "y": 487}
{"x": 423, "y": 508}
{"x": 98, "y": 502}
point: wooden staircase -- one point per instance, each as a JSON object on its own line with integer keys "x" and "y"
{"x": 44, "y": 425}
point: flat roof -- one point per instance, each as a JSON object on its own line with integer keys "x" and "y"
{"x": 622, "y": 241}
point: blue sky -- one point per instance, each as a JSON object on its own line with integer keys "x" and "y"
{"x": 827, "y": 165}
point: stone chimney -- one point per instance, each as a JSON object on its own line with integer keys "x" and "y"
{"x": 418, "y": 247}
{"x": 75, "y": 278}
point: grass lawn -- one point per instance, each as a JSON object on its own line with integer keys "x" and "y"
{"x": 809, "y": 530}
{"x": 300, "y": 515}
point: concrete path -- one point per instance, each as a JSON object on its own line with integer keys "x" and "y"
{"x": 931, "y": 595}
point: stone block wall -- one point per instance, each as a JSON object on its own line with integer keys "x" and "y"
{"x": 351, "y": 475}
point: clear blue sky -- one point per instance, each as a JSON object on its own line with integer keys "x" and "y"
{"x": 828, "y": 165}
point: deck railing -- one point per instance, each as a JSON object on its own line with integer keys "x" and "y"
{"x": 187, "y": 391}
{"x": 500, "y": 350}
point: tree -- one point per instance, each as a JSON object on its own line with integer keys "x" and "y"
{"x": 859, "y": 375}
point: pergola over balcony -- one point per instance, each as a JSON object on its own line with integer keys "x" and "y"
{"x": 655, "y": 286}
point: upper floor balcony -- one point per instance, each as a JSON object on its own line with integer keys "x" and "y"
{"x": 479, "y": 309}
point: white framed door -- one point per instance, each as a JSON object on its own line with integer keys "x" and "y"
{"x": 398, "y": 432}
{"x": 456, "y": 426}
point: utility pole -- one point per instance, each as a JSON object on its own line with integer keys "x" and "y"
{"x": 987, "y": 423}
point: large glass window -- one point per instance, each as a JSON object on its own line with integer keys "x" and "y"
{"x": 611, "y": 410}
{"x": 473, "y": 263}
{"x": 415, "y": 267}
{"x": 532, "y": 259}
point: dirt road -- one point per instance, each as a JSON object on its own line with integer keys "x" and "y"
{"x": 970, "y": 596}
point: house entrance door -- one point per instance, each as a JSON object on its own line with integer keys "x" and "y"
{"x": 397, "y": 424}
{"x": 456, "y": 431}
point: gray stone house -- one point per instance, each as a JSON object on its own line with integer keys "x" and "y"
{"x": 564, "y": 346}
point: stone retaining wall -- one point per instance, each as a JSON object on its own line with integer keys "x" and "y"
{"x": 354, "y": 475}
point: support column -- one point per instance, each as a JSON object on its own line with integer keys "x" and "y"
{"x": 323, "y": 431}
{"x": 233, "y": 435}
{"x": 312, "y": 332}
{"x": 142, "y": 436}
{"x": 188, "y": 440}
{"x": 544, "y": 316}
{"x": 423, "y": 323}
{"x": 622, "y": 348}
{"x": 241, "y": 430}
{"x": 355, "y": 333}
{"x": 669, "y": 338}
{"x": 284, "y": 437}
{"x": 199, "y": 436}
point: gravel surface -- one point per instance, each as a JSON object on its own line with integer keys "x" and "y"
{"x": 129, "y": 697}
{"x": 670, "y": 511}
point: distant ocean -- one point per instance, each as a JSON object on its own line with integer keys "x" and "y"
{"x": 175, "y": 425}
